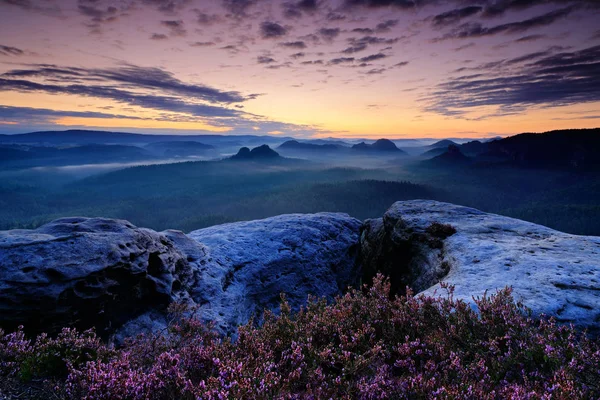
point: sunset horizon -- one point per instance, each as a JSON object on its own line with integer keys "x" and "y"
{"x": 308, "y": 69}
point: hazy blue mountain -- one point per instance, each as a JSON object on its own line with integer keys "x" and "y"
{"x": 294, "y": 145}
{"x": 71, "y": 137}
{"x": 381, "y": 145}
{"x": 263, "y": 152}
{"x": 451, "y": 157}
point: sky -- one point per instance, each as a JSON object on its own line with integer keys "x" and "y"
{"x": 304, "y": 68}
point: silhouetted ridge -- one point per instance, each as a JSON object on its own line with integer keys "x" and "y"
{"x": 381, "y": 145}
{"x": 263, "y": 152}
{"x": 452, "y": 156}
{"x": 296, "y": 145}
{"x": 442, "y": 144}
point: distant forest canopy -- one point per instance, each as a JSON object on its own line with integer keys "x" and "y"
{"x": 552, "y": 178}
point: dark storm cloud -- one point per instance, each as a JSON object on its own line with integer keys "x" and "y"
{"x": 372, "y": 57}
{"x": 471, "y": 30}
{"x": 559, "y": 79}
{"x": 10, "y": 51}
{"x": 329, "y": 33}
{"x": 454, "y": 16}
{"x": 270, "y": 30}
{"x": 130, "y": 77}
{"x": 294, "y": 45}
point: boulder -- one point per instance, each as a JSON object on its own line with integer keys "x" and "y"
{"x": 251, "y": 263}
{"x": 553, "y": 273}
{"x": 86, "y": 272}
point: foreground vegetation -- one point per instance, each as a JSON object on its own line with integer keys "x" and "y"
{"x": 365, "y": 345}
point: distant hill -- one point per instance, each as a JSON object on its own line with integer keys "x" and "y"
{"x": 442, "y": 144}
{"x": 263, "y": 152}
{"x": 574, "y": 149}
{"x": 577, "y": 149}
{"x": 451, "y": 157}
{"x": 179, "y": 148}
{"x": 76, "y": 136}
{"x": 381, "y": 145}
{"x": 29, "y": 156}
{"x": 294, "y": 145}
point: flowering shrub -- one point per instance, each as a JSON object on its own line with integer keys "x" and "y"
{"x": 365, "y": 345}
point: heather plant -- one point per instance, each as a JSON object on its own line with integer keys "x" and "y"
{"x": 365, "y": 345}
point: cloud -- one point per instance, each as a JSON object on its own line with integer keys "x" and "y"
{"x": 543, "y": 80}
{"x": 239, "y": 8}
{"x": 10, "y": 51}
{"x": 312, "y": 62}
{"x": 471, "y": 30}
{"x": 372, "y": 57}
{"x": 329, "y": 33}
{"x": 454, "y": 16}
{"x": 496, "y": 8}
{"x": 168, "y": 7}
{"x": 298, "y": 55}
{"x": 400, "y": 64}
{"x": 365, "y": 31}
{"x": 296, "y": 9}
{"x": 386, "y": 26}
{"x": 202, "y": 44}
{"x": 28, "y": 114}
{"x": 130, "y": 76}
{"x": 271, "y": 30}
{"x": 403, "y": 4}
{"x": 158, "y": 36}
{"x": 99, "y": 13}
{"x": 176, "y": 27}
{"x": 294, "y": 45}
{"x": 362, "y": 43}
{"x": 206, "y": 19}
{"x": 529, "y": 38}
{"x": 341, "y": 60}
{"x": 265, "y": 60}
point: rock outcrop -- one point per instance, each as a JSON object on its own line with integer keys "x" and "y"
{"x": 87, "y": 272}
{"x": 251, "y": 263}
{"x": 119, "y": 278}
{"x": 553, "y": 273}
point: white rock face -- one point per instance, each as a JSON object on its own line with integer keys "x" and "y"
{"x": 552, "y": 272}
{"x": 251, "y": 263}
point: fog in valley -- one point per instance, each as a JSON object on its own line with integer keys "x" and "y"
{"x": 186, "y": 183}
